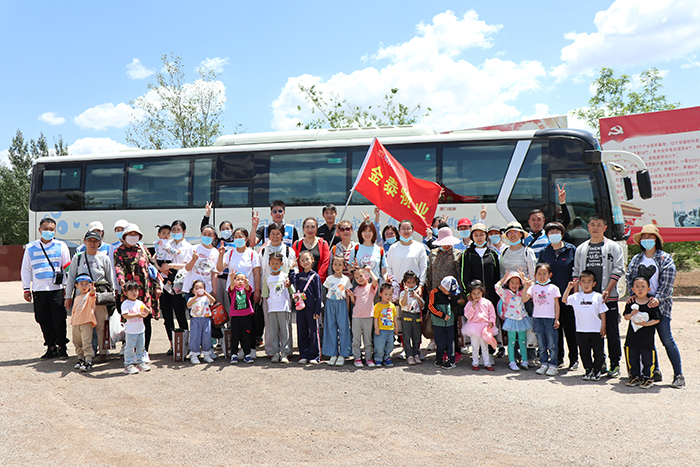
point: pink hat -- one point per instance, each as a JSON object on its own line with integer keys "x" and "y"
{"x": 445, "y": 237}
{"x": 509, "y": 276}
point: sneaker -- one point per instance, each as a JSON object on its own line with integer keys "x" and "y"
{"x": 358, "y": 363}
{"x": 588, "y": 375}
{"x": 417, "y": 359}
{"x": 490, "y": 368}
{"x": 646, "y": 384}
{"x": 314, "y": 361}
{"x": 248, "y": 359}
{"x": 597, "y": 376}
{"x": 614, "y": 373}
{"x": 212, "y": 354}
{"x": 144, "y": 367}
{"x": 275, "y": 358}
{"x": 678, "y": 382}
{"x": 552, "y": 371}
{"x": 377, "y": 364}
{"x": 388, "y": 362}
{"x": 340, "y": 361}
{"x": 252, "y": 354}
{"x": 79, "y": 364}
{"x": 475, "y": 367}
{"x": 284, "y": 360}
{"x": 146, "y": 358}
{"x": 633, "y": 381}
{"x": 207, "y": 358}
{"x": 86, "y": 366}
{"x": 62, "y": 353}
{"x": 234, "y": 358}
{"x": 458, "y": 357}
{"x": 524, "y": 365}
{"x": 50, "y": 353}
{"x": 303, "y": 361}
{"x": 169, "y": 353}
{"x": 448, "y": 365}
{"x": 333, "y": 360}
{"x": 573, "y": 366}
{"x": 658, "y": 377}
{"x": 438, "y": 361}
{"x": 542, "y": 369}
{"x": 370, "y": 363}
{"x": 501, "y": 352}
{"x": 513, "y": 366}
{"x": 194, "y": 360}
{"x": 130, "y": 370}
{"x": 410, "y": 361}
{"x": 402, "y": 355}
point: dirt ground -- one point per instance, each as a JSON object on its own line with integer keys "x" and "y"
{"x": 268, "y": 414}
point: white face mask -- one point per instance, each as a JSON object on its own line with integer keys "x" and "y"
{"x": 132, "y": 239}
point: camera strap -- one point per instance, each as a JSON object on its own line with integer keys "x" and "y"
{"x": 47, "y": 257}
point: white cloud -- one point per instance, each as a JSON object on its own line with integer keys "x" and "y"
{"x": 578, "y": 123}
{"x": 633, "y": 32}
{"x": 136, "y": 70}
{"x": 215, "y": 64}
{"x": 427, "y": 70}
{"x": 5, "y": 157}
{"x": 105, "y": 116}
{"x": 692, "y": 62}
{"x": 95, "y": 146}
{"x": 51, "y": 118}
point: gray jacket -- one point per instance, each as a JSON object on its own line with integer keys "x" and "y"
{"x": 613, "y": 263}
{"x": 100, "y": 266}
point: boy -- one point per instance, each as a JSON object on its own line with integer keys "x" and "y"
{"x": 639, "y": 342}
{"x": 362, "y": 315}
{"x": 590, "y": 313}
{"x": 275, "y": 292}
{"x": 384, "y": 326}
{"x": 165, "y": 253}
{"x": 442, "y": 298}
{"x": 83, "y": 321}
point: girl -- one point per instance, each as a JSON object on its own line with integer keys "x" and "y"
{"x": 363, "y": 314}
{"x": 545, "y": 314}
{"x": 317, "y": 246}
{"x": 640, "y": 334}
{"x": 277, "y": 307}
{"x": 134, "y": 311}
{"x": 308, "y": 302}
{"x": 200, "y": 323}
{"x": 481, "y": 321}
{"x": 241, "y": 317}
{"x": 336, "y": 328}
{"x": 411, "y": 306}
{"x": 516, "y": 320}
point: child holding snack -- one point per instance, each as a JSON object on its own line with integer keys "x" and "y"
{"x": 308, "y": 304}
{"x": 134, "y": 311}
{"x": 639, "y": 343}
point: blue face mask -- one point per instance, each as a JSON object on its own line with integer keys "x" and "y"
{"x": 545, "y": 283}
{"x": 514, "y": 243}
{"x": 177, "y": 236}
{"x": 406, "y": 239}
{"x": 648, "y": 244}
{"x": 47, "y": 235}
{"x": 435, "y": 231}
{"x": 226, "y": 234}
{"x": 239, "y": 242}
{"x": 494, "y": 239}
{"x": 206, "y": 240}
{"x": 276, "y": 270}
{"x": 391, "y": 240}
{"x": 480, "y": 245}
{"x": 413, "y": 288}
{"x": 464, "y": 233}
{"x": 554, "y": 238}
{"x": 119, "y": 235}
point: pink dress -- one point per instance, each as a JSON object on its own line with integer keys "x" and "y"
{"x": 478, "y": 316}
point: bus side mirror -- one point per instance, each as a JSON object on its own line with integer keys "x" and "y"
{"x": 592, "y": 156}
{"x": 644, "y": 184}
{"x": 627, "y": 182}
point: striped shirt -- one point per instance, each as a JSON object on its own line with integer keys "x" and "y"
{"x": 37, "y": 273}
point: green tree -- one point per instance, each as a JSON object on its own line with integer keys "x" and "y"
{"x": 15, "y": 181}
{"x": 336, "y": 112}
{"x": 175, "y": 113}
{"x": 614, "y": 97}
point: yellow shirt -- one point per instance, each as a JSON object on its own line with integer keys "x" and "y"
{"x": 385, "y": 313}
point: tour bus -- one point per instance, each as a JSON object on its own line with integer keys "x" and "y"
{"x": 510, "y": 173}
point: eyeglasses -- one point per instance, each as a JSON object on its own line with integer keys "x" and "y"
{"x": 345, "y": 229}
{"x": 277, "y": 211}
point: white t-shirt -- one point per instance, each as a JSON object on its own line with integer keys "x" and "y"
{"x": 587, "y": 310}
{"x": 654, "y": 280}
{"x": 242, "y": 263}
{"x": 200, "y": 308}
{"x": 203, "y": 267}
{"x": 401, "y": 258}
{"x": 278, "y": 298}
{"x": 481, "y": 251}
{"x": 336, "y": 287}
{"x": 411, "y": 303}
{"x": 133, "y": 325}
{"x": 543, "y": 299}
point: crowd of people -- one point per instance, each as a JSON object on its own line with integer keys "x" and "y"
{"x": 356, "y": 296}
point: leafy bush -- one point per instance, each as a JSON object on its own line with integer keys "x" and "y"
{"x": 686, "y": 255}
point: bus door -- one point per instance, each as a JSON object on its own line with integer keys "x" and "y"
{"x": 232, "y": 202}
{"x": 582, "y": 196}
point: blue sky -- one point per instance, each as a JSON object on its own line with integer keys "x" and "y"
{"x": 71, "y": 68}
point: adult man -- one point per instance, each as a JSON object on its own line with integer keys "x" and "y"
{"x": 104, "y": 248}
{"x": 578, "y": 234}
{"x": 605, "y": 259}
{"x": 537, "y": 240}
{"x": 328, "y": 230}
{"x": 277, "y": 210}
{"x": 42, "y": 281}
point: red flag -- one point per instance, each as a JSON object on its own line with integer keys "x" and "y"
{"x": 393, "y": 189}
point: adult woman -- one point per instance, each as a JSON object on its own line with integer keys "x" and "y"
{"x": 367, "y": 252}
{"x": 101, "y": 271}
{"x": 175, "y": 303}
{"x": 480, "y": 261}
{"x": 202, "y": 265}
{"x": 406, "y": 254}
{"x": 317, "y": 246}
{"x": 390, "y": 235}
{"x": 560, "y": 256}
{"x": 345, "y": 247}
{"x": 517, "y": 257}
{"x": 131, "y": 262}
{"x": 658, "y": 267}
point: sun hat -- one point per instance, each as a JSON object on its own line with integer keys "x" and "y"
{"x": 132, "y": 228}
{"x": 96, "y": 225}
{"x": 121, "y": 223}
{"x": 445, "y": 237}
{"x": 515, "y": 225}
{"x": 647, "y": 229}
{"x": 494, "y": 227}
{"x": 450, "y": 284}
{"x": 464, "y": 222}
{"x": 509, "y": 276}
{"x": 479, "y": 226}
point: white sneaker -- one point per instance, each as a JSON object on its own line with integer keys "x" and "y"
{"x": 333, "y": 360}
{"x": 275, "y": 358}
{"x": 207, "y": 358}
{"x": 542, "y": 369}
{"x": 284, "y": 360}
{"x": 402, "y": 355}
{"x": 513, "y": 366}
{"x": 340, "y": 361}
{"x": 130, "y": 370}
{"x": 552, "y": 371}
{"x": 212, "y": 354}
{"x": 194, "y": 360}
{"x": 144, "y": 367}
{"x": 303, "y": 361}
{"x": 146, "y": 358}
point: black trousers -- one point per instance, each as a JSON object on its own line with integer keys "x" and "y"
{"x": 587, "y": 342}
{"x": 612, "y": 331}
{"x": 51, "y": 314}
{"x": 648, "y": 359}
{"x": 241, "y": 331}
{"x": 170, "y": 304}
{"x": 567, "y": 327}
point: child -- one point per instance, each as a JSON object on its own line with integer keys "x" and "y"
{"x": 83, "y": 321}
{"x": 336, "y": 326}
{"x": 308, "y": 305}
{"x": 165, "y": 253}
{"x": 200, "y": 323}
{"x": 384, "y": 326}
{"x": 362, "y": 314}
{"x": 481, "y": 321}
{"x": 590, "y": 312}
{"x": 279, "y": 313}
{"x": 134, "y": 311}
{"x": 411, "y": 306}
{"x": 545, "y": 314}
{"x": 640, "y": 334}
{"x": 516, "y": 320}
{"x": 241, "y": 317}
{"x": 442, "y": 299}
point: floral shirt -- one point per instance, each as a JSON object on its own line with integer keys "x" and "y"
{"x": 131, "y": 264}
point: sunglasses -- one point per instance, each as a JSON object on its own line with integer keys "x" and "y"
{"x": 345, "y": 229}
{"x": 277, "y": 211}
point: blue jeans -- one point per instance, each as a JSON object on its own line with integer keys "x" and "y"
{"x": 383, "y": 344}
{"x": 336, "y": 329}
{"x": 200, "y": 335}
{"x": 547, "y": 340}
{"x": 133, "y": 350}
{"x": 664, "y": 331}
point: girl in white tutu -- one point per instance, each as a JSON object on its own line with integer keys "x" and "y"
{"x": 515, "y": 319}
{"x": 480, "y": 325}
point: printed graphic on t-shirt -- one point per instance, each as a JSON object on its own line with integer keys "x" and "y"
{"x": 386, "y": 317}
{"x": 541, "y": 297}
